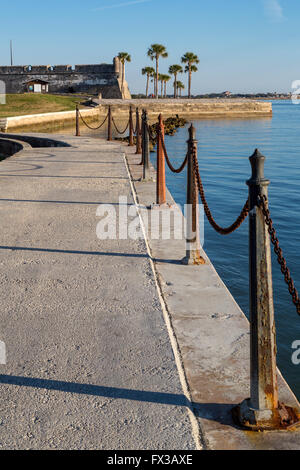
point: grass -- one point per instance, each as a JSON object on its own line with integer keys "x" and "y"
{"x": 23, "y": 104}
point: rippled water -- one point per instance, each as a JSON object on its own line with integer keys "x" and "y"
{"x": 224, "y": 148}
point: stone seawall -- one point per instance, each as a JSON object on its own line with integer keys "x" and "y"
{"x": 201, "y": 109}
{"x": 16, "y": 122}
{"x": 198, "y": 108}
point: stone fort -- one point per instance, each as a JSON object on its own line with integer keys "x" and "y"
{"x": 104, "y": 79}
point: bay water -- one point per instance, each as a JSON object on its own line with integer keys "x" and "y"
{"x": 224, "y": 149}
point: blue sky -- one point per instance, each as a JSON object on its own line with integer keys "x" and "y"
{"x": 244, "y": 46}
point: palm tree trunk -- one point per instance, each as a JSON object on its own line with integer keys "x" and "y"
{"x": 165, "y": 89}
{"x": 157, "y": 73}
{"x": 162, "y": 89}
{"x": 147, "y": 86}
{"x": 175, "y": 87}
{"x": 123, "y": 77}
{"x": 190, "y": 80}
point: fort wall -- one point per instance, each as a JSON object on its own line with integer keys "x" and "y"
{"x": 90, "y": 78}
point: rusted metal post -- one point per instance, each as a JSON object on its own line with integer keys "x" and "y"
{"x": 193, "y": 256}
{"x": 109, "y": 127}
{"x": 146, "y": 150}
{"x": 131, "y": 143}
{"x": 161, "y": 170}
{"x": 143, "y": 139}
{"x": 77, "y": 121}
{"x": 261, "y": 410}
{"x": 138, "y": 133}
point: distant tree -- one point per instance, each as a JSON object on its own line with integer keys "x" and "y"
{"x": 167, "y": 78}
{"x": 161, "y": 78}
{"x": 124, "y": 57}
{"x": 153, "y": 76}
{"x": 190, "y": 59}
{"x": 149, "y": 71}
{"x": 156, "y": 51}
{"x": 175, "y": 70}
{"x": 180, "y": 87}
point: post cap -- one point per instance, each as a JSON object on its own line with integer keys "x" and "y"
{"x": 257, "y": 161}
{"x": 192, "y": 134}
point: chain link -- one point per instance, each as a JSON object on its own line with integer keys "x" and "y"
{"x": 278, "y": 251}
{"x": 174, "y": 170}
{"x": 153, "y": 136}
{"x": 90, "y": 127}
{"x": 119, "y": 132}
{"x": 223, "y": 231}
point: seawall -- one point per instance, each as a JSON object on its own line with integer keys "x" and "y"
{"x": 198, "y": 109}
{"x": 16, "y": 122}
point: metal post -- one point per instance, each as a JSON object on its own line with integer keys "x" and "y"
{"x": 138, "y": 133}
{"x": 131, "y": 143}
{"x": 142, "y": 138}
{"x": 77, "y": 121}
{"x": 109, "y": 129}
{"x": 146, "y": 150}
{"x": 161, "y": 171}
{"x": 193, "y": 256}
{"x": 261, "y": 410}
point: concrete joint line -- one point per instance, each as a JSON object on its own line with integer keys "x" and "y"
{"x": 201, "y": 442}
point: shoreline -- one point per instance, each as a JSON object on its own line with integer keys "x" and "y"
{"x": 196, "y": 109}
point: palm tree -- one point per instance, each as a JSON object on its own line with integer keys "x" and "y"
{"x": 175, "y": 70}
{"x": 149, "y": 71}
{"x": 167, "y": 78}
{"x": 180, "y": 87}
{"x": 124, "y": 57}
{"x": 161, "y": 80}
{"x": 190, "y": 59}
{"x": 153, "y": 76}
{"x": 156, "y": 51}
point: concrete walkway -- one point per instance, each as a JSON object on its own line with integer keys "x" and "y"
{"x": 107, "y": 347}
{"x": 89, "y": 360}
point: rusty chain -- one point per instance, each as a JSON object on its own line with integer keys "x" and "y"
{"x": 153, "y": 136}
{"x": 90, "y": 127}
{"x": 223, "y": 231}
{"x": 174, "y": 170}
{"x": 119, "y": 132}
{"x": 278, "y": 251}
{"x": 241, "y": 218}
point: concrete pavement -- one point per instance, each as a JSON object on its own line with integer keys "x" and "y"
{"x": 89, "y": 359}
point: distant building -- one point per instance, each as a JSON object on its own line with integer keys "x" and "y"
{"x": 37, "y": 86}
{"x": 104, "y": 79}
{"x": 227, "y": 93}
